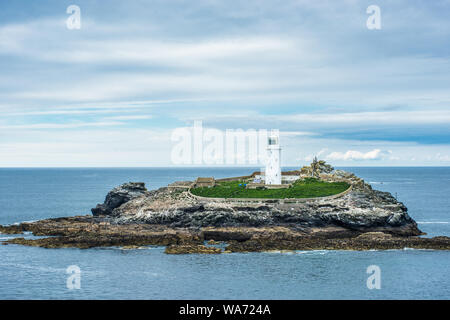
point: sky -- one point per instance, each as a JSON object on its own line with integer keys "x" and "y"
{"x": 111, "y": 93}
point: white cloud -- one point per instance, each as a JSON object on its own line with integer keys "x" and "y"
{"x": 375, "y": 154}
{"x": 132, "y": 117}
{"x": 226, "y": 64}
{"x": 108, "y": 147}
{"x": 345, "y": 119}
{"x": 61, "y": 125}
{"x": 296, "y": 133}
{"x": 442, "y": 157}
{"x": 310, "y": 157}
{"x": 63, "y": 112}
{"x": 251, "y": 66}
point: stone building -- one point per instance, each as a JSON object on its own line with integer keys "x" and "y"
{"x": 205, "y": 182}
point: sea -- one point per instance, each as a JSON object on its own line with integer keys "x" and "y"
{"x": 28, "y": 194}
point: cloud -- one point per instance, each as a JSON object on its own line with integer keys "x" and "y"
{"x": 338, "y": 118}
{"x": 296, "y": 133}
{"x": 375, "y": 154}
{"x": 293, "y": 62}
{"x": 310, "y": 157}
{"x": 108, "y": 147}
{"x": 61, "y": 125}
{"x": 311, "y": 69}
{"x": 132, "y": 117}
{"x": 64, "y": 112}
{"x": 442, "y": 157}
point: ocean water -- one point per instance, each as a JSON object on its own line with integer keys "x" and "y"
{"x": 148, "y": 273}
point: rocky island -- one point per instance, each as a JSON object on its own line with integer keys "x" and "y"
{"x": 358, "y": 218}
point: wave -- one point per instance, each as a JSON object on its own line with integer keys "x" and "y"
{"x": 26, "y": 221}
{"x": 290, "y": 252}
{"x": 415, "y": 249}
{"x": 312, "y": 252}
{"x": 33, "y": 267}
{"x": 47, "y": 269}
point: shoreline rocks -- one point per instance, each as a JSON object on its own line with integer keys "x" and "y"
{"x": 359, "y": 244}
{"x": 12, "y": 229}
{"x": 86, "y": 232}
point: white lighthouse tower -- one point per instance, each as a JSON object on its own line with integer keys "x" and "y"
{"x": 273, "y": 169}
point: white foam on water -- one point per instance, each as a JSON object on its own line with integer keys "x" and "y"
{"x": 47, "y": 269}
{"x": 415, "y": 249}
{"x": 312, "y": 252}
{"x": 153, "y": 274}
{"x": 33, "y": 267}
{"x": 291, "y": 252}
{"x": 26, "y": 221}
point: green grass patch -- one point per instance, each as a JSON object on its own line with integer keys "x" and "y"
{"x": 308, "y": 188}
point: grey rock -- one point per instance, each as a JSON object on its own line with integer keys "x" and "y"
{"x": 118, "y": 196}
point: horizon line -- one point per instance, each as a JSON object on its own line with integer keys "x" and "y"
{"x": 213, "y": 167}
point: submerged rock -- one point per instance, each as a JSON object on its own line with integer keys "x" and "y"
{"x": 11, "y": 229}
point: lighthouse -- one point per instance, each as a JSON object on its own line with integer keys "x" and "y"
{"x": 273, "y": 169}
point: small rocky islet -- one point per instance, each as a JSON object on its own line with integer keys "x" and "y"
{"x": 131, "y": 216}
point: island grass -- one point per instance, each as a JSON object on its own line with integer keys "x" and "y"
{"x": 307, "y": 188}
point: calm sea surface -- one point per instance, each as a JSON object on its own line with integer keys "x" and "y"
{"x": 114, "y": 273}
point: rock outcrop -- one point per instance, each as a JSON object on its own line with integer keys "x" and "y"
{"x": 362, "y": 209}
{"x": 118, "y": 196}
{"x": 13, "y": 229}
